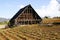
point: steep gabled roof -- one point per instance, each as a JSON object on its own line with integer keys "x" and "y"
{"x": 21, "y": 10}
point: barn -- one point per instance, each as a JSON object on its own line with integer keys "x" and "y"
{"x": 25, "y": 16}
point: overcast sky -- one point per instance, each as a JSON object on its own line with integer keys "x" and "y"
{"x": 8, "y": 8}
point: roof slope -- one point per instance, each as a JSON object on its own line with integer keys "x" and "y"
{"x": 21, "y": 10}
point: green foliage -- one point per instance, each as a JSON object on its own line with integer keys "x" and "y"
{"x": 47, "y": 17}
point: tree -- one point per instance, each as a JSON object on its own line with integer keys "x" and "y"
{"x": 47, "y": 17}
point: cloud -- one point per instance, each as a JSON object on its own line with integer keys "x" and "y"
{"x": 49, "y": 10}
{"x": 58, "y": 1}
{"x": 20, "y": 6}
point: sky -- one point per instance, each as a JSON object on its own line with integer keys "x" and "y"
{"x": 8, "y": 8}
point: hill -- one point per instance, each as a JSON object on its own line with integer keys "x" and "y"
{"x": 3, "y": 19}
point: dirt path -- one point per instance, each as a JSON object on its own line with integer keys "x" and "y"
{"x": 2, "y": 26}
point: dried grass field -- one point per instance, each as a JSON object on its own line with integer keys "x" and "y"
{"x": 31, "y": 32}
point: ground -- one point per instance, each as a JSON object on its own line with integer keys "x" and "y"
{"x": 31, "y": 32}
{"x": 44, "y": 31}
{"x": 2, "y": 26}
